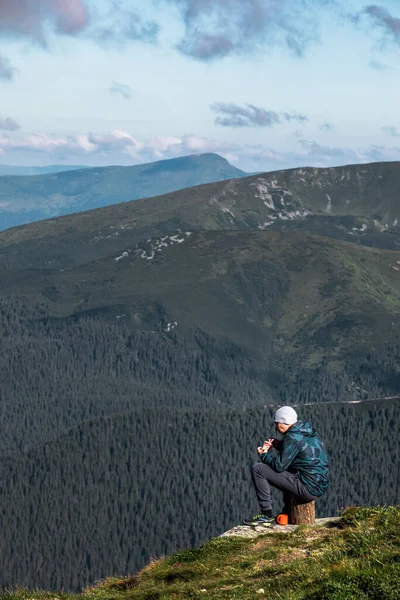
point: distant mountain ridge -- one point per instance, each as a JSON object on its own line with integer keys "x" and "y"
{"x": 23, "y": 171}
{"x": 33, "y": 198}
{"x": 355, "y": 203}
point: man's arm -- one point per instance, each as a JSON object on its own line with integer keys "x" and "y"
{"x": 285, "y": 455}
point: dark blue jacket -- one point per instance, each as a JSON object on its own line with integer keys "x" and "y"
{"x": 301, "y": 451}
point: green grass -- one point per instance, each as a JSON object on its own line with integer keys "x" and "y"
{"x": 356, "y": 558}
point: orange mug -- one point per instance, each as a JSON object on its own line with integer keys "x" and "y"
{"x": 282, "y": 519}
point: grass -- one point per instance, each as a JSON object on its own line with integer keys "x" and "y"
{"x": 356, "y": 558}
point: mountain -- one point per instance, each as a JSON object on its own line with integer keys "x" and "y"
{"x": 27, "y": 199}
{"x": 145, "y": 347}
{"x": 356, "y": 203}
{"x": 232, "y": 316}
{"x": 17, "y": 170}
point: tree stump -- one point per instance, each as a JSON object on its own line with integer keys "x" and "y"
{"x": 302, "y": 514}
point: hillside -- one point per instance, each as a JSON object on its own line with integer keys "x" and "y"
{"x": 124, "y": 381}
{"x": 32, "y": 198}
{"x": 107, "y": 496}
{"x": 356, "y": 203}
{"x": 355, "y": 558}
{"x": 234, "y": 316}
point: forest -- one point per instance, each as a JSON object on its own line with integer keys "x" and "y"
{"x": 110, "y": 495}
{"x": 119, "y": 446}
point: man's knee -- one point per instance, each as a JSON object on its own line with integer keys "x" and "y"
{"x": 259, "y": 468}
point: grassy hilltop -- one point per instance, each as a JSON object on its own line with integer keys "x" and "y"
{"x": 356, "y": 558}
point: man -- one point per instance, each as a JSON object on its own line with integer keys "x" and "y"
{"x": 297, "y": 466}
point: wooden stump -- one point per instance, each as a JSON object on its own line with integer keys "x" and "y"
{"x": 303, "y": 514}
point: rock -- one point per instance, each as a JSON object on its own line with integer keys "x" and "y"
{"x": 250, "y": 532}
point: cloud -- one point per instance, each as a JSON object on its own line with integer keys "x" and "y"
{"x": 327, "y": 154}
{"x": 116, "y": 142}
{"x": 323, "y": 156}
{"x": 217, "y": 28}
{"x": 244, "y": 116}
{"x": 375, "y": 17}
{"x": 7, "y": 72}
{"x": 381, "y": 18}
{"x": 327, "y": 126}
{"x": 121, "y": 24}
{"x": 249, "y": 115}
{"x": 121, "y": 88}
{"x": 391, "y": 130}
{"x": 8, "y": 124}
{"x": 120, "y": 147}
{"x": 34, "y": 19}
{"x": 377, "y": 65}
{"x": 294, "y": 116}
{"x": 24, "y": 18}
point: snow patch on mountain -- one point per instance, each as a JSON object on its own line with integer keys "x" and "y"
{"x": 329, "y": 205}
{"x": 227, "y": 210}
{"x": 123, "y": 255}
{"x": 151, "y": 248}
{"x": 265, "y": 225}
{"x": 279, "y": 201}
{"x": 361, "y": 229}
{"x": 263, "y": 192}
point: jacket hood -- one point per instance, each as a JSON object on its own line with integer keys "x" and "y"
{"x": 303, "y": 427}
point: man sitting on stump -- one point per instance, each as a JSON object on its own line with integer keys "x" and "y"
{"x": 299, "y": 467}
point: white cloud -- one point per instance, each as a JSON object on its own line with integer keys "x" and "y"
{"x": 121, "y": 147}
{"x": 122, "y": 89}
{"x": 8, "y": 124}
{"x": 391, "y": 130}
{"x": 7, "y": 71}
{"x": 113, "y": 23}
{"x": 214, "y": 29}
{"x": 27, "y": 18}
{"x": 77, "y": 144}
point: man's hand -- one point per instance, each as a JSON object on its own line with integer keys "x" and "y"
{"x": 265, "y": 447}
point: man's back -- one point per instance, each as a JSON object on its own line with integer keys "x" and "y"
{"x": 311, "y": 460}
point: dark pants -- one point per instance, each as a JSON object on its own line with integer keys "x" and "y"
{"x": 288, "y": 483}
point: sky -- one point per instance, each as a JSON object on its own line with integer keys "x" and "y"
{"x": 267, "y": 84}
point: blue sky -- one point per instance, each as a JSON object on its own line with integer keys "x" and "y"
{"x": 268, "y": 84}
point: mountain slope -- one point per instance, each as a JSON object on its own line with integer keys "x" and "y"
{"x": 354, "y": 203}
{"x": 252, "y": 285}
{"x": 22, "y": 171}
{"x": 312, "y": 563}
{"x": 25, "y": 199}
{"x": 231, "y": 316}
{"x": 338, "y": 561}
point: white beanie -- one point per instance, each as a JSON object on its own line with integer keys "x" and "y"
{"x": 286, "y": 415}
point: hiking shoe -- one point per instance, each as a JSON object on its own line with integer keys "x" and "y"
{"x": 260, "y": 520}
